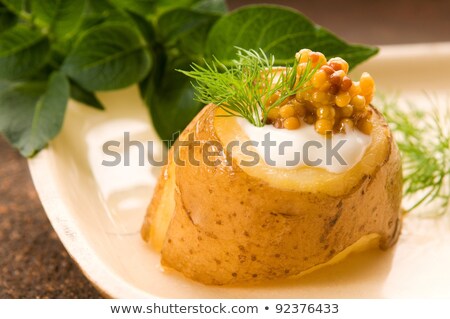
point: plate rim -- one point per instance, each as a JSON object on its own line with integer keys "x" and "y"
{"x": 107, "y": 283}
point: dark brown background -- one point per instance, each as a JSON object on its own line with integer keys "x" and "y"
{"x": 34, "y": 264}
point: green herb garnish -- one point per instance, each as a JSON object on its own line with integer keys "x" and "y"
{"x": 244, "y": 88}
{"x": 98, "y": 45}
{"x": 423, "y": 137}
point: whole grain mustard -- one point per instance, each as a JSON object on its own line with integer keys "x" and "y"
{"x": 330, "y": 100}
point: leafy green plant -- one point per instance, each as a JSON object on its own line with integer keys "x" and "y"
{"x": 53, "y": 50}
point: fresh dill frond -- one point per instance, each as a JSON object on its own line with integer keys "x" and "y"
{"x": 423, "y": 137}
{"x": 244, "y": 88}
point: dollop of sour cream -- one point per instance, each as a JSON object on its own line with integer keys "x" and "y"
{"x": 290, "y": 149}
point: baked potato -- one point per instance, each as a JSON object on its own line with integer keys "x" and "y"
{"x": 229, "y": 224}
{"x": 220, "y": 215}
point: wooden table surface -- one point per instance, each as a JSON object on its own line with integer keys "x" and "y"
{"x": 34, "y": 264}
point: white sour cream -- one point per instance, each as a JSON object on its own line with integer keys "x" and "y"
{"x": 305, "y": 147}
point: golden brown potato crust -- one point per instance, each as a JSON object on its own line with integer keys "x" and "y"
{"x": 228, "y": 227}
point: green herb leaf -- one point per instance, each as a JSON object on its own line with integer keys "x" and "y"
{"x": 98, "y": 12}
{"x": 95, "y": 13}
{"x": 332, "y": 46}
{"x": 60, "y": 16}
{"x": 16, "y": 6}
{"x": 33, "y": 112}
{"x": 183, "y": 32}
{"x": 22, "y": 52}
{"x": 145, "y": 27}
{"x": 7, "y": 19}
{"x": 423, "y": 137}
{"x": 141, "y": 7}
{"x": 186, "y": 30}
{"x": 108, "y": 57}
{"x": 278, "y": 31}
{"x": 84, "y": 96}
{"x": 211, "y": 6}
{"x": 245, "y": 88}
{"x": 99, "y": 7}
{"x": 170, "y": 97}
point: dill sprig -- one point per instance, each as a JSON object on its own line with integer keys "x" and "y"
{"x": 423, "y": 137}
{"x": 244, "y": 88}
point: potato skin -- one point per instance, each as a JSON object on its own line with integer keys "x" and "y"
{"x": 228, "y": 227}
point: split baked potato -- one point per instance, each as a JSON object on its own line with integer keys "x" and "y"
{"x": 229, "y": 224}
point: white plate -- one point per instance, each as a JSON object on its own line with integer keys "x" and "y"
{"x": 97, "y": 211}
